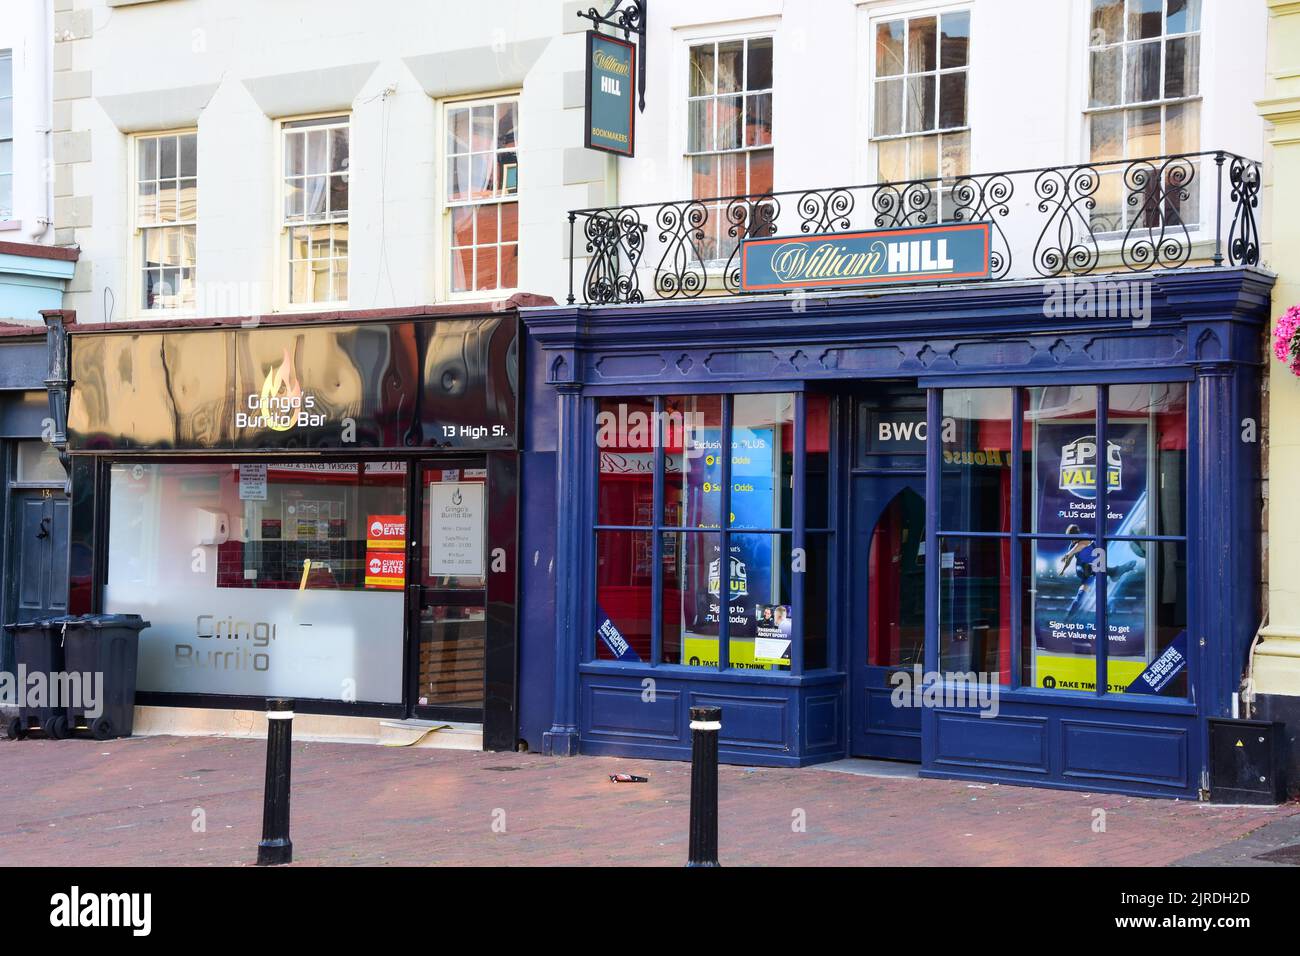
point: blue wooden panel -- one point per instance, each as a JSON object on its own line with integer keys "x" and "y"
{"x": 619, "y": 711}
{"x": 751, "y": 718}
{"x": 822, "y": 720}
{"x": 1124, "y": 752}
{"x": 884, "y": 718}
{"x": 970, "y": 740}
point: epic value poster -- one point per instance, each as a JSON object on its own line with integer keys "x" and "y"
{"x": 749, "y": 574}
{"x": 1066, "y": 573}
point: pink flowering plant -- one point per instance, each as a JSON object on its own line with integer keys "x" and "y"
{"x": 1286, "y": 341}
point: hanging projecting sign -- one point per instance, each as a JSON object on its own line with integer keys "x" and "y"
{"x": 873, "y": 257}
{"x": 455, "y": 530}
{"x": 611, "y": 84}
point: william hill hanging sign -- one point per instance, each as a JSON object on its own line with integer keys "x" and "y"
{"x": 874, "y": 257}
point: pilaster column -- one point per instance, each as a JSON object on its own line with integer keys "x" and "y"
{"x": 562, "y": 739}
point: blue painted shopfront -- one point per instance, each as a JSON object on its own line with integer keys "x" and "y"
{"x": 918, "y": 555}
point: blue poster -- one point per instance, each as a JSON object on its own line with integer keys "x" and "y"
{"x": 1066, "y": 572}
{"x": 753, "y": 501}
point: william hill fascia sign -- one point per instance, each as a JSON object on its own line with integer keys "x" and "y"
{"x": 872, "y": 257}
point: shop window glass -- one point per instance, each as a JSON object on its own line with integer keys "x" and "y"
{"x": 691, "y": 603}
{"x": 1059, "y": 477}
{"x": 624, "y": 562}
{"x": 975, "y": 492}
{"x": 263, "y": 579}
{"x": 692, "y": 430}
{"x": 896, "y": 583}
{"x": 1149, "y": 422}
{"x": 625, "y": 445}
{"x": 762, "y": 460}
{"x": 1059, "y": 623}
{"x": 38, "y": 461}
{"x": 816, "y": 601}
{"x": 817, "y": 454}
{"x": 762, "y": 616}
{"x": 975, "y": 608}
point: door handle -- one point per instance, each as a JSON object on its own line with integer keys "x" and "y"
{"x": 45, "y": 528}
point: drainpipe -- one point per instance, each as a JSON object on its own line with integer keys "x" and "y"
{"x": 44, "y": 119}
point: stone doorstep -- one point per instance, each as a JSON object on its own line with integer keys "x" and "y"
{"x": 323, "y": 728}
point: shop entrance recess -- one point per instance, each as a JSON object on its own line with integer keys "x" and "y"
{"x": 887, "y": 569}
{"x": 461, "y": 594}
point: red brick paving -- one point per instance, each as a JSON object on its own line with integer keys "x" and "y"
{"x": 132, "y": 802}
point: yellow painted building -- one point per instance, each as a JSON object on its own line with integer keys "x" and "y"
{"x": 1277, "y": 658}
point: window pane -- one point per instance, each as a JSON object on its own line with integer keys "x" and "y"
{"x": 624, "y": 560}
{"x": 691, "y": 600}
{"x": 1060, "y": 462}
{"x": 167, "y": 157}
{"x": 889, "y": 48}
{"x": 507, "y": 173}
{"x": 147, "y": 159}
{"x": 1149, "y": 423}
{"x": 955, "y": 159}
{"x": 482, "y": 169}
{"x": 975, "y": 607}
{"x": 759, "y": 67}
{"x": 952, "y": 100}
{"x": 920, "y": 103}
{"x": 1145, "y": 19}
{"x": 452, "y": 644}
{"x": 462, "y": 269}
{"x": 921, "y": 44}
{"x": 1107, "y": 22}
{"x": 699, "y": 136}
{"x": 762, "y": 442}
{"x": 509, "y": 222}
{"x": 975, "y": 478}
{"x": 1147, "y": 617}
{"x": 189, "y": 155}
{"x": 691, "y": 430}
{"x": 758, "y": 119}
{"x": 760, "y": 175}
{"x": 1183, "y": 135}
{"x": 896, "y": 584}
{"x": 1106, "y": 77}
{"x": 1106, "y": 136}
{"x": 731, "y": 66}
{"x": 187, "y": 200}
{"x": 458, "y": 131}
{"x": 889, "y": 107}
{"x": 761, "y": 622}
{"x": 1143, "y": 133}
{"x": 486, "y": 223}
{"x": 1142, "y": 79}
{"x": 817, "y": 443}
{"x": 1058, "y": 647}
{"x": 956, "y": 40}
{"x": 147, "y": 204}
{"x": 295, "y": 154}
{"x": 1182, "y": 16}
{"x": 338, "y": 198}
{"x": 702, "y": 70}
{"x": 891, "y": 161}
{"x": 303, "y": 531}
{"x": 730, "y": 121}
{"x": 816, "y": 601}
{"x": 339, "y": 150}
{"x": 510, "y": 266}
{"x": 485, "y": 268}
{"x": 317, "y": 140}
{"x": 507, "y": 134}
{"x": 482, "y": 128}
{"x": 1182, "y": 66}
{"x": 458, "y": 179}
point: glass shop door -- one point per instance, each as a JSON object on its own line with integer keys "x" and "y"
{"x": 449, "y": 591}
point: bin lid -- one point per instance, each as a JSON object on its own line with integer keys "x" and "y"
{"x": 134, "y": 621}
{"x": 55, "y": 623}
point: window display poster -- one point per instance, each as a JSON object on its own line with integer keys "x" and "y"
{"x": 455, "y": 529}
{"x": 1066, "y": 572}
{"x": 772, "y": 633}
{"x": 749, "y": 571}
{"x": 252, "y": 482}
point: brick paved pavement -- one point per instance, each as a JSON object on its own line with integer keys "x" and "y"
{"x": 132, "y": 802}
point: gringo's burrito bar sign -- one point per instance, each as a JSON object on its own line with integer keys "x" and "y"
{"x": 418, "y": 383}
{"x": 873, "y": 257}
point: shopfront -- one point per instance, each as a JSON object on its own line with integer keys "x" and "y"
{"x": 883, "y": 525}
{"x": 320, "y": 510}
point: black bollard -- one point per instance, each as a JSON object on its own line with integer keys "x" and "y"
{"x": 705, "y": 724}
{"x": 276, "y": 847}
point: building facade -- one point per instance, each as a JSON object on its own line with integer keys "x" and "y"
{"x": 677, "y": 463}
{"x": 33, "y": 275}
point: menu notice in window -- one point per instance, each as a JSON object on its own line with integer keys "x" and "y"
{"x": 386, "y": 552}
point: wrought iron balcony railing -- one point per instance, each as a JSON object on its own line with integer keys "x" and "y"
{"x": 1137, "y": 215}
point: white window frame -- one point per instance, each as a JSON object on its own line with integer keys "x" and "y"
{"x": 445, "y": 206}
{"x": 753, "y": 29}
{"x": 7, "y": 62}
{"x": 135, "y": 255}
{"x": 1122, "y": 107}
{"x": 871, "y": 19}
{"x": 284, "y": 228}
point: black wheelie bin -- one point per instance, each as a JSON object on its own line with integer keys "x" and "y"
{"x": 107, "y": 645}
{"x": 38, "y": 649}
